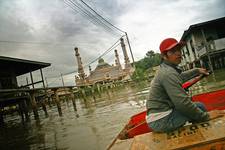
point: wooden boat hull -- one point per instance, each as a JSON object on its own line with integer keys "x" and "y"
{"x": 208, "y": 135}
{"x": 138, "y": 125}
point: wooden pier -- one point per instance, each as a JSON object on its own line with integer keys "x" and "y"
{"x": 28, "y": 99}
{"x": 33, "y": 99}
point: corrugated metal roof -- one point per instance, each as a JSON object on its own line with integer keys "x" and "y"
{"x": 200, "y": 25}
{"x": 19, "y": 66}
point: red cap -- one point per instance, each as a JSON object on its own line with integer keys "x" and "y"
{"x": 168, "y": 44}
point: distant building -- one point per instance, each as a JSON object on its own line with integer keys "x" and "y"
{"x": 205, "y": 45}
{"x": 104, "y": 72}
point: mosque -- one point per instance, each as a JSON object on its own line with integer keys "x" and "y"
{"x": 104, "y": 72}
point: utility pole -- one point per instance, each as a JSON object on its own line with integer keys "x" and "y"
{"x": 62, "y": 79}
{"x": 46, "y": 82}
{"x": 130, "y": 49}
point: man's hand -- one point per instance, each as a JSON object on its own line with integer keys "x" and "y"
{"x": 203, "y": 71}
{"x": 216, "y": 114}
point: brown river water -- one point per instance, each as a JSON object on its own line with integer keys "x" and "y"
{"x": 99, "y": 120}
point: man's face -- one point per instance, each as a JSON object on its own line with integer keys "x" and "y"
{"x": 174, "y": 55}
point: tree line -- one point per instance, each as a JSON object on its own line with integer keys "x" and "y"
{"x": 144, "y": 66}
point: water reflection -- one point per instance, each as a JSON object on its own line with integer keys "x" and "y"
{"x": 213, "y": 82}
{"x": 101, "y": 117}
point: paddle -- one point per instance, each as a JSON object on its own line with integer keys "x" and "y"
{"x": 188, "y": 84}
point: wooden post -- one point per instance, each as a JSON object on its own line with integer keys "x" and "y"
{"x": 58, "y": 102}
{"x": 98, "y": 90}
{"x": 49, "y": 99}
{"x": 21, "y": 110}
{"x": 108, "y": 91}
{"x": 207, "y": 50}
{"x": 74, "y": 103}
{"x": 92, "y": 89}
{"x": 83, "y": 93}
{"x": 93, "y": 93}
{"x": 46, "y": 94}
{"x": 103, "y": 87}
{"x": 112, "y": 87}
{"x": 73, "y": 100}
{"x": 32, "y": 81}
{"x": 26, "y": 111}
{"x": 53, "y": 98}
{"x": 1, "y": 116}
{"x": 107, "y": 86}
{"x": 67, "y": 99}
{"x": 34, "y": 105}
{"x": 44, "y": 107}
{"x": 42, "y": 79}
{"x": 223, "y": 64}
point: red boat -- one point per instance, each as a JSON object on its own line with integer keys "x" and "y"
{"x": 138, "y": 125}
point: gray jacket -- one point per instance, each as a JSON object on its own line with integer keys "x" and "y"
{"x": 166, "y": 93}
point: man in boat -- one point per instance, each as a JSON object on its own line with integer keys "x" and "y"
{"x": 169, "y": 106}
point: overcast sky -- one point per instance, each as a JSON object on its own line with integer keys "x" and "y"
{"x": 57, "y": 29}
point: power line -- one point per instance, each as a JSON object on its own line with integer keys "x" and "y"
{"x": 109, "y": 24}
{"x": 94, "y": 60}
{"x": 99, "y": 17}
{"x": 88, "y": 12}
{"x": 106, "y": 52}
{"x": 38, "y": 43}
{"x": 83, "y": 12}
{"x": 102, "y": 17}
{"x": 89, "y": 15}
{"x": 68, "y": 3}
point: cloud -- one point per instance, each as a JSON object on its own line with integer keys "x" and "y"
{"x": 59, "y": 28}
{"x": 148, "y": 22}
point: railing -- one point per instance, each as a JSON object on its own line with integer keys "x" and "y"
{"x": 201, "y": 51}
{"x": 219, "y": 44}
{"x": 214, "y": 45}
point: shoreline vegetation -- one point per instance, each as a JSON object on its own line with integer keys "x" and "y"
{"x": 144, "y": 67}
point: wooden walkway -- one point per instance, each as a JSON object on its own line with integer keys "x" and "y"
{"x": 34, "y": 98}
{"x": 202, "y": 136}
